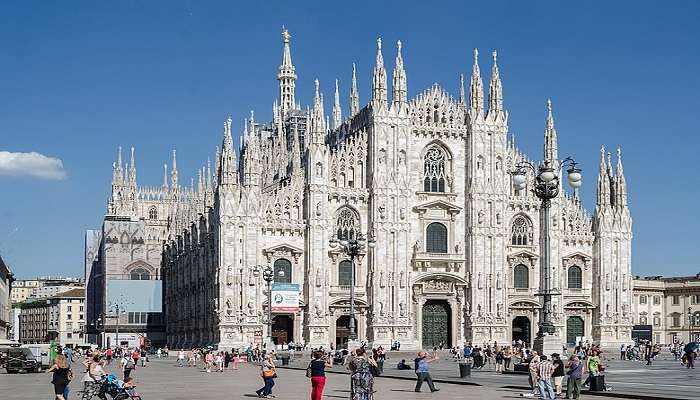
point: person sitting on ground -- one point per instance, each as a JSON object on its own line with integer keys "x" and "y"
{"x": 402, "y": 365}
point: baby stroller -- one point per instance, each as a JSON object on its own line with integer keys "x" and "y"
{"x": 114, "y": 387}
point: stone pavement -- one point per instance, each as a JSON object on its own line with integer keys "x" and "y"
{"x": 162, "y": 380}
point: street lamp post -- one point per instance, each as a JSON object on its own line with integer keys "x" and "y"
{"x": 693, "y": 320}
{"x": 546, "y": 188}
{"x": 352, "y": 246}
{"x": 269, "y": 275}
{"x": 119, "y": 306}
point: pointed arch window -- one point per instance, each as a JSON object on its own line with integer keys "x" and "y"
{"x": 153, "y": 213}
{"x": 521, "y": 277}
{"x": 575, "y": 276}
{"x": 345, "y": 274}
{"x": 436, "y": 238}
{"x": 434, "y": 169}
{"x": 283, "y": 271}
{"x": 347, "y": 224}
{"x": 521, "y": 231}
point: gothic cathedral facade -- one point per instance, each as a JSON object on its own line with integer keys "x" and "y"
{"x": 457, "y": 255}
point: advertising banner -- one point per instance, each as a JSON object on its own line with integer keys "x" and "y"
{"x": 143, "y": 296}
{"x": 285, "y": 297}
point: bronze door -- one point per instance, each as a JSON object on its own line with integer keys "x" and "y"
{"x": 436, "y": 324}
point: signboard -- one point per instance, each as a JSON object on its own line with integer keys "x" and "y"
{"x": 285, "y": 297}
{"x": 258, "y": 336}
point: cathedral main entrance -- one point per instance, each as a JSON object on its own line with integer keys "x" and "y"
{"x": 342, "y": 331}
{"x": 282, "y": 329}
{"x": 521, "y": 329}
{"x": 437, "y": 324}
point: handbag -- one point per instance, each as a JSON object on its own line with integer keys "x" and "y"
{"x": 374, "y": 370}
{"x": 308, "y": 371}
{"x": 268, "y": 373}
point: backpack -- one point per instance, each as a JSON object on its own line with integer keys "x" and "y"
{"x": 129, "y": 364}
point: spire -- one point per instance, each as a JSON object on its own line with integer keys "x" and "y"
{"x": 337, "y": 113}
{"x": 117, "y": 170}
{"x": 550, "y": 136}
{"x": 228, "y": 168}
{"x": 286, "y": 76}
{"x": 354, "y": 95}
{"x": 132, "y": 168}
{"x": 476, "y": 88}
{"x": 208, "y": 178}
{"x": 379, "y": 79}
{"x": 200, "y": 180}
{"x": 399, "y": 79}
{"x": 462, "y": 97}
{"x": 318, "y": 120}
{"x": 173, "y": 172}
{"x": 603, "y": 189}
{"x": 495, "y": 88}
{"x": 165, "y": 175}
{"x": 620, "y": 182}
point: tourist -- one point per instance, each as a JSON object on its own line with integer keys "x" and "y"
{"x": 532, "y": 377}
{"x": 507, "y": 357}
{"x": 402, "y": 365}
{"x": 499, "y": 356}
{"x": 108, "y": 355}
{"x": 690, "y": 355}
{"x": 208, "y": 361}
{"x": 268, "y": 373}
{"x": 236, "y": 359}
{"x": 558, "y": 374}
{"x": 62, "y": 375}
{"x": 136, "y": 354}
{"x": 93, "y": 379}
{"x": 544, "y": 378}
{"x": 128, "y": 364}
{"x": 422, "y": 365}
{"x": 181, "y": 358}
{"x": 592, "y": 364}
{"x": 144, "y": 357}
{"x": 361, "y": 379}
{"x": 575, "y": 372}
{"x": 317, "y": 372}
{"x": 623, "y": 353}
{"x": 219, "y": 360}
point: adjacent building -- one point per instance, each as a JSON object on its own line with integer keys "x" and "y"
{"x": 60, "y": 318}
{"x": 457, "y": 254}
{"x": 6, "y": 281}
{"x": 668, "y": 308}
{"x": 41, "y": 287}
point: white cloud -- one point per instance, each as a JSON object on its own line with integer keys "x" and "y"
{"x": 31, "y": 164}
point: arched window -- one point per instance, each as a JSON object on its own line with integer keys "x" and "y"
{"x": 153, "y": 213}
{"x": 436, "y": 238}
{"x": 521, "y": 231}
{"x": 642, "y": 320}
{"x": 521, "y": 277}
{"x": 139, "y": 274}
{"x": 345, "y": 273}
{"x": 283, "y": 271}
{"x": 347, "y": 224}
{"x": 434, "y": 169}
{"x": 575, "y": 277}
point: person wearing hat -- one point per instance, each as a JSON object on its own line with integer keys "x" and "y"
{"x": 558, "y": 374}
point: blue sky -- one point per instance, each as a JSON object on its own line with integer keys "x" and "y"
{"x": 79, "y": 79}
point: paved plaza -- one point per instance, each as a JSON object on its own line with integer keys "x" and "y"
{"x": 161, "y": 380}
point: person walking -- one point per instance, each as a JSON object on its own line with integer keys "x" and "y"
{"x": 316, "y": 371}
{"x": 268, "y": 373}
{"x": 558, "y": 374}
{"x": 128, "y": 364}
{"x": 181, "y": 358}
{"x": 422, "y": 365}
{"x": 208, "y": 361}
{"x": 361, "y": 379}
{"x": 62, "y": 376}
{"x": 507, "y": 357}
{"x": 544, "y": 378}
{"x": 573, "y": 383}
{"x": 93, "y": 379}
{"x": 499, "y": 356}
{"x": 143, "y": 357}
{"x": 108, "y": 355}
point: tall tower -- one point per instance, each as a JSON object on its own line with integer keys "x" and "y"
{"x": 486, "y": 200}
{"x": 612, "y": 252}
{"x": 287, "y": 77}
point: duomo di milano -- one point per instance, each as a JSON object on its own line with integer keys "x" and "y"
{"x": 457, "y": 248}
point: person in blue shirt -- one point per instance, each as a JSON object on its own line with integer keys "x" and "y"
{"x": 422, "y": 366}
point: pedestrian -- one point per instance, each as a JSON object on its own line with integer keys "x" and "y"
{"x": 558, "y": 374}
{"x": 622, "y": 351}
{"x": 532, "y": 370}
{"x": 361, "y": 379}
{"x": 93, "y": 379}
{"x": 208, "y": 361}
{"x": 690, "y": 355}
{"x": 422, "y": 368}
{"x": 108, "y": 355}
{"x": 236, "y": 359}
{"x": 143, "y": 357}
{"x": 575, "y": 372}
{"x": 507, "y": 357}
{"x": 268, "y": 373}
{"x": 136, "y": 354}
{"x": 499, "y": 360}
{"x": 544, "y": 378}
{"x": 219, "y": 360}
{"x": 62, "y": 376}
{"x": 181, "y": 358}
{"x": 593, "y": 364}
{"x": 316, "y": 371}
{"x": 128, "y": 364}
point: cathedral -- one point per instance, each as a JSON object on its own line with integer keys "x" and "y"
{"x": 457, "y": 254}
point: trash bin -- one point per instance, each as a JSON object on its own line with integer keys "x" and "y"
{"x": 465, "y": 370}
{"x": 285, "y": 360}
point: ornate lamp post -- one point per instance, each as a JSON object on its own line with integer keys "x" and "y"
{"x": 352, "y": 247}
{"x": 269, "y": 275}
{"x": 546, "y": 187}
